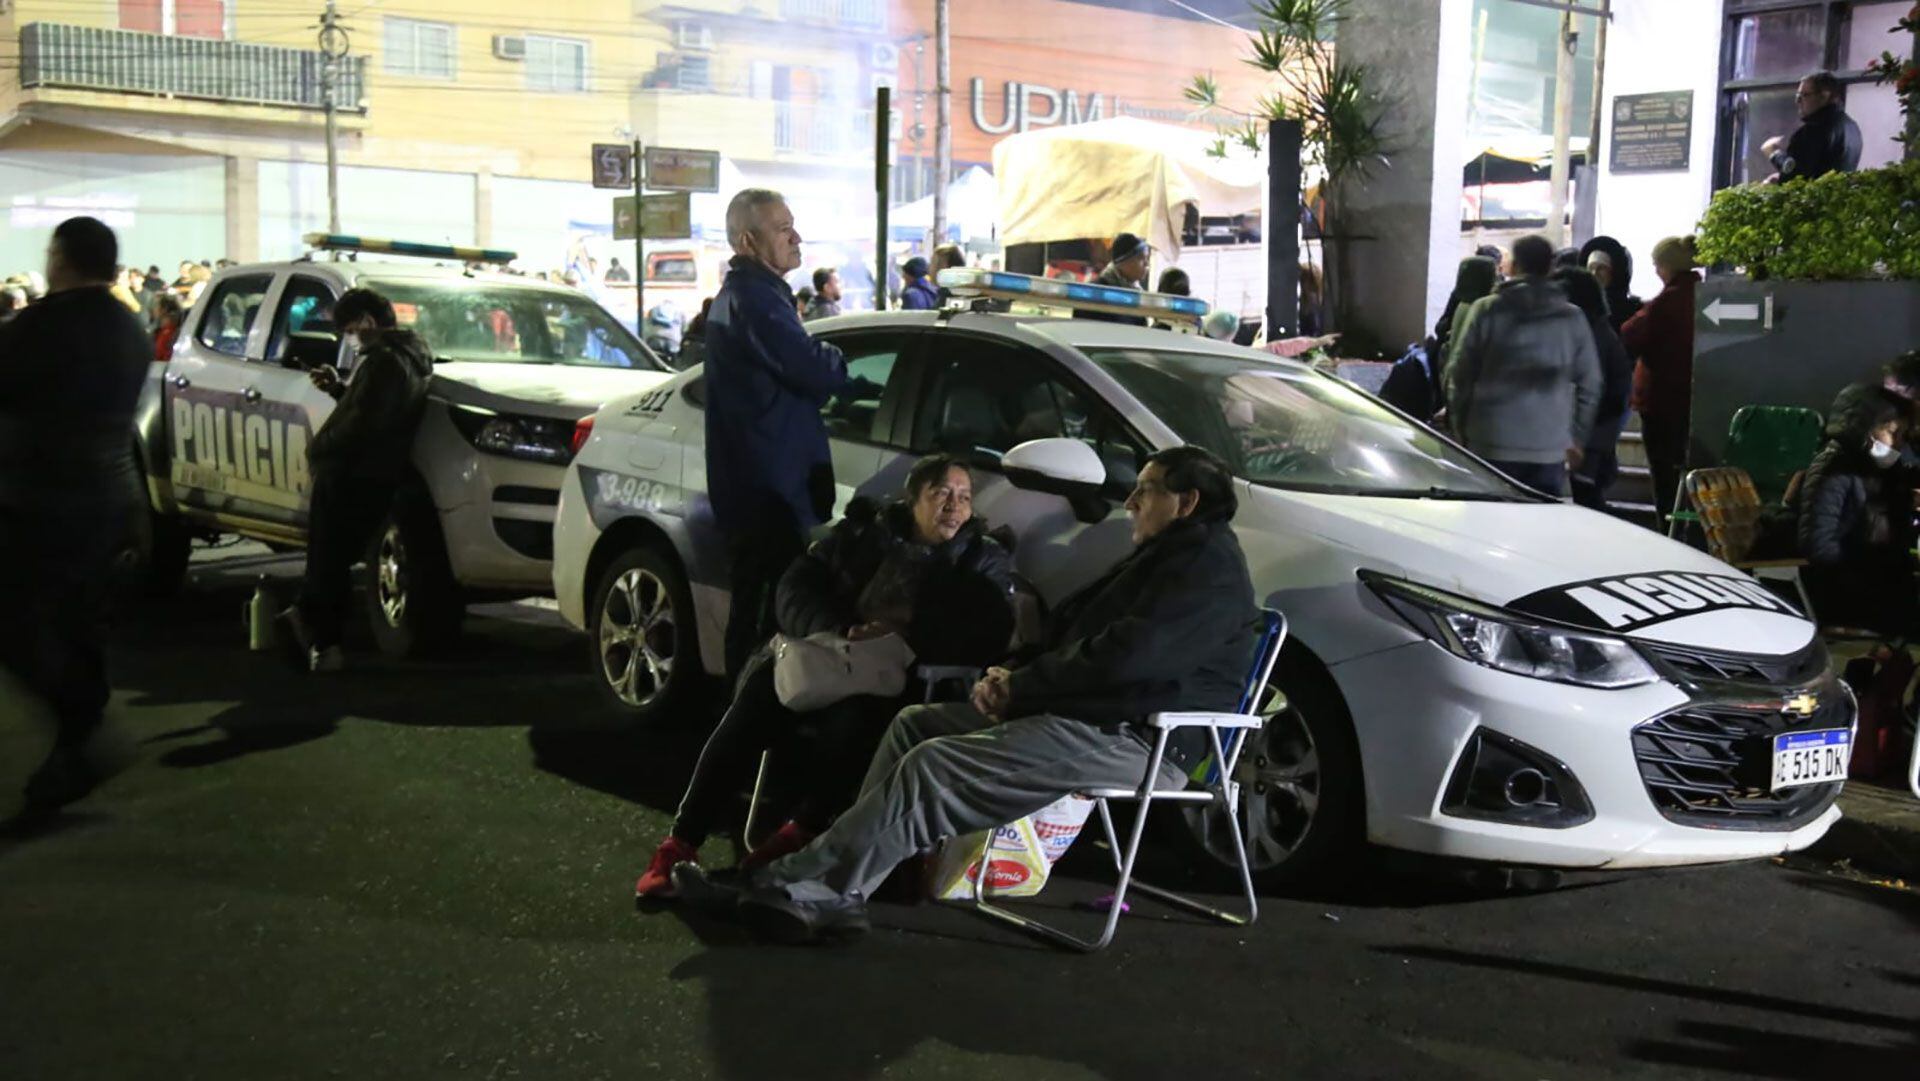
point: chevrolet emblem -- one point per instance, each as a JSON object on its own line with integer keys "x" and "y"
{"x": 1804, "y": 705}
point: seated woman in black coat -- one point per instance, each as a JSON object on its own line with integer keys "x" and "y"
{"x": 922, "y": 567}
{"x": 1855, "y": 517}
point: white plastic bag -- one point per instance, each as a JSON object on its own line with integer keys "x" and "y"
{"x": 824, "y": 668}
{"x": 1020, "y": 857}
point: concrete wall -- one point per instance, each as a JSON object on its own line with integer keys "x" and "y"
{"x": 1657, "y": 45}
{"x": 1403, "y": 266}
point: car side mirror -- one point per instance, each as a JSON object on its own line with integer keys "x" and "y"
{"x": 310, "y": 349}
{"x": 1062, "y": 467}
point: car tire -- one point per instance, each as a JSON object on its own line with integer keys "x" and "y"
{"x": 643, "y": 641}
{"x": 1302, "y": 804}
{"x": 414, "y": 606}
{"x": 152, "y": 561}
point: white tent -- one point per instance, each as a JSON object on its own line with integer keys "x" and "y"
{"x": 1114, "y": 176}
{"x": 973, "y": 206}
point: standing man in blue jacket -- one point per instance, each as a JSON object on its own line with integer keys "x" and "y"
{"x": 769, "y": 470}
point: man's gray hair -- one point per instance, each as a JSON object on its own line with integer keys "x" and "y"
{"x": 743, "y": 213}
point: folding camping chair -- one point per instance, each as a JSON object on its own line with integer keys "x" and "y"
{"x": 1729, "y": 509}
{"x": 1770, "y": 442}
{"x": 1219, "y": 789}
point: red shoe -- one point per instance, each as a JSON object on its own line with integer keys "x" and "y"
{"x": 785, "y": 841}
{"x": 656, "y": 883}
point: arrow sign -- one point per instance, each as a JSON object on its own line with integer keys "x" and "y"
{"x": 1720, "y": 311}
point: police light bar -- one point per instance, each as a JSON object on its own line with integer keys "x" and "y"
{"x": 1052, "y": 292}
{"x": 346, "y": 242}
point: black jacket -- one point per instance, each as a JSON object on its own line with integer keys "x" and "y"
{"x": 1849, "y": 508}
{"x": 370, "y": 433}
{"x": 71, "y": 369}
{"x": 1111, "y": 278}
{"x": 1172, "y": 627}
{"x": 1826, "y": 142}
{"x": 1616, "y": 386}
{"x": 953, "y": 598}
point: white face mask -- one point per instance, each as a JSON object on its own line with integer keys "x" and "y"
{"x": 1882, "y": 454}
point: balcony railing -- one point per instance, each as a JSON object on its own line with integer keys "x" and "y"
{"x": 90, "y": 58}
{"x": 852, "y": 14}
{"x": 821, "y": 130}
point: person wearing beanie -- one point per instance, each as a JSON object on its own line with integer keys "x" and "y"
{"x": 920, "y": 294}
{"x": 1126, "y": 270}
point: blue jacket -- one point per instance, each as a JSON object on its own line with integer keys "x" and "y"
{"x": 768, "y": 465}
{"x": 919, "y": 296}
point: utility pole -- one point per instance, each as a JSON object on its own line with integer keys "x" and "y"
{"x": 882, "y": 149}
{"x": 639, "y": 238}
{"x": 1562, "y": 128}
{"x": 333, "y": 46}
{"x": 943, "y": 119}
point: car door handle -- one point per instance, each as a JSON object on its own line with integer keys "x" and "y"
{"x": 250, "y": 394}
{"x": 182, "y": 382}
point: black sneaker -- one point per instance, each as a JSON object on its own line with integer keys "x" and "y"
{"x": 65, "y": 777}
{"x": 776, "y": 917}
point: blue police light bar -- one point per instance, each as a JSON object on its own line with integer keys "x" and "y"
{"x": 382, "y": 246}
{"x": 1051, "y": 292}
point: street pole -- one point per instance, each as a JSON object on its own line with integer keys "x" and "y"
{"x": 333, "y": 46}
{"x": 1281, "y": 226}
{"x": 882, "y": 123}
{"x": 639, "y": 240}
{"x": 943, "y": 120}
{"x": 1562, "y": 129}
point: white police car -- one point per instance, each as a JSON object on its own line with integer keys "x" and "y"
{"x": 1475, "y": 671}
{"x": 223, "y": 427}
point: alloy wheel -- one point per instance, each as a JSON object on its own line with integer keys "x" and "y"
{"x": 638, "y": 637}
{"x": 1281, "y": 783}
{"x": 390, "y": 577}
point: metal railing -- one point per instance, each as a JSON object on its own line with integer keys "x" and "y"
{"x": 854, "y": 14}
{"x": 90, "y": 58}
{"x": 822, "y": 130}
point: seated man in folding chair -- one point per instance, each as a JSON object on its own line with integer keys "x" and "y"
{"x": 1172, "y": 627}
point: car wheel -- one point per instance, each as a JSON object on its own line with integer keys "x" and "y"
{"x": 413, "y": 604}
{"x": 1301, "y": 800}
{"x": 646, "y": 646}
{"x": 152, "y": 561}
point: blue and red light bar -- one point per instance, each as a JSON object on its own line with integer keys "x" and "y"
{"x": 1053, "y": 292}
{"x": 383, "y": 246}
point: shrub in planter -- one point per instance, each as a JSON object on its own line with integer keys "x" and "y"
{"x": 1840, "y": 227}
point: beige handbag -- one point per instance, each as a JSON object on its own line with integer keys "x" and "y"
{"x": 824, "y": 668}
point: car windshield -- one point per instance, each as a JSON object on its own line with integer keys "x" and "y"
{"x": 1294, "y": 429}
{"x": 513, "y": 324}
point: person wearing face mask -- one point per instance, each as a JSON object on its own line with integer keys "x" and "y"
{"x": 357, "y": 460}
{"x": 1855, "y": 514}
{"x": 922, "y": 567}
{"x": 769, "y": 470}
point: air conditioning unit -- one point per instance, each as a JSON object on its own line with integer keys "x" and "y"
{"x": 509, "y": 47}
{"x": 692, "y": 35}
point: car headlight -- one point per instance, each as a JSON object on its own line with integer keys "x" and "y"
{"x": 1513, "y": 643}
{"x": 533, "y": 439}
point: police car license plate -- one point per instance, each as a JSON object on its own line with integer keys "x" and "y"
{"x": 1804, "y": 758}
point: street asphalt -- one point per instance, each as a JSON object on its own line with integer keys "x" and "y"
{"x": 424, "y": 870}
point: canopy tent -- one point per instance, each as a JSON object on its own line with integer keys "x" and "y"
{"x": 973, "y": 207}
{"x": 1520, "y": 160}
{"x": 1122, "y": 175}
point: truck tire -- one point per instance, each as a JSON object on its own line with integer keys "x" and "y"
{"x": 414, "y": 607}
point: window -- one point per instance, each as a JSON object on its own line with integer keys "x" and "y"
{"x": 306, "y": 307}
{"x": 990, "y": 397}
{"x": 672, "y": 268}
{"x": 1771, "y": 45}
{"x": 514, "y": 324}
{"x": 556, "y": 64}
{"x": 422, "y": 50}
{"x": 231, "y": 308}
{"x": 854, "y": 413}
{"x": 693, "y": 72}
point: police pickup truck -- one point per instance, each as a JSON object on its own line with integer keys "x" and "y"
{"x": 223, "y": 426}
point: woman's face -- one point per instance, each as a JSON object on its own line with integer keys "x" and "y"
{"x": 1888, "y": 433}
{"x": 943, "y": 506}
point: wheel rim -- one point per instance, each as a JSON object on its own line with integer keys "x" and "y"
{"x": 1281, "y": 787}
{"x": 638, "y": 637}
{"x": 390, "y": 577}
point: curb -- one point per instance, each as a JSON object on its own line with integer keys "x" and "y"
{"x": 1879, "y": 835}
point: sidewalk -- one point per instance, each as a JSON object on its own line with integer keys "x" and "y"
{"x": 1879, "y": 836}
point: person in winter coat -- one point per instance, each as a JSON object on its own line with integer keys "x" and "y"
{"x": 919, "y": 294}
{"x": 168, "y": 314}
{"x": 1854, "y": 512}
{"x": 1601, "y": 462}
{"x": 1827, "y": 140}
{"x": 1128, "y": 269}
{"x": 769, "y": 468}
{"x": 1609, "y": 261}
{"x": 71, "y": 369}
{"x": 923, "y": 568}
{"x": 1660, "y": 339}
{"x": 358, "y": 460}
{"x": 1172, "y": 627}
{"x": 1414, "y": 385}
{"x": 1523, "y": 383}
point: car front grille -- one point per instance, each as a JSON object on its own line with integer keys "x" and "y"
{"x": 1753, "y": 671}
{"x": 1712, "y": 765}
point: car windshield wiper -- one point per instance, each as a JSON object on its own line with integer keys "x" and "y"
{"x": 1438, "y": 492}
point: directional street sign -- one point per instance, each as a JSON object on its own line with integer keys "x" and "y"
{"x": 613, "y": 166}
{"x": 666, "y": 217}
{"x": 1738, "y": 310}
{"x": 672, "y": 169}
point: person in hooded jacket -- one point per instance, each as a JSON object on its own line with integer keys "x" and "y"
{"x": 1523, "y": 382}
{"x": 1602, "y": 460}
{"x": 922, "y": 567}
{"x": 358, "y": 460}
{"x": 1611, "y": 263}
{"x": 1855, "y": 516}
{"x": 1660, "y": 339}
{"x": 1414, "y": 385}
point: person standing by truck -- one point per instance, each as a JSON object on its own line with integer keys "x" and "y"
{"x": 1126, "y": 270}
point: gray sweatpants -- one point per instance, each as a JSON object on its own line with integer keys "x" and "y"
{"x": 946, "y": 770}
